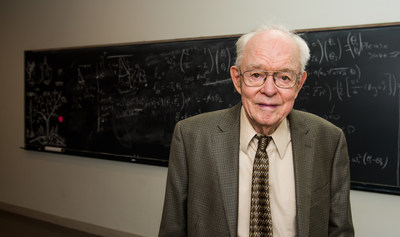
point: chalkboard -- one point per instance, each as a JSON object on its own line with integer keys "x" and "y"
{"x": 121, "y": 102}
{"x": 354, "y": 82}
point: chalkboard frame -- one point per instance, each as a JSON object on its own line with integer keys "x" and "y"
{"x": 364, "y": 186}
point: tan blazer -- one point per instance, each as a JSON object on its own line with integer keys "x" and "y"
{"x": 201, "y": 197}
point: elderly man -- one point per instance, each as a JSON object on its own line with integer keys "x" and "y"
{"x": 259, "y": 168}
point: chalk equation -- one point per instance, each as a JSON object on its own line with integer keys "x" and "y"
{"x": 333, "y": 49}
{"x": 370, "y": 160}
{"x": 342, "y": 86}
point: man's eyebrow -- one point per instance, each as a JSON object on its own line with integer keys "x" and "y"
{"x": 256, "y": 66}
{"x": 259, "y": 66}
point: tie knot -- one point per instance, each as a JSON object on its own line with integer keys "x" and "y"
{"x": 263, "y": 141}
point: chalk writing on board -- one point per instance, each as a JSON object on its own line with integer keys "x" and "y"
{"x": 345, "y": 82}
{"x": 44, "y": 104}
{"x": 124, "y": 99}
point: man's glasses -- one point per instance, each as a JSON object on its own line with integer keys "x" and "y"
{"x": 256, "y": 78}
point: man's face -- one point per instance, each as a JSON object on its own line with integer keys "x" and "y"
{"x": 267, "y": 106}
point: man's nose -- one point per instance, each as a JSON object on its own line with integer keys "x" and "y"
{"x": 269, "y": 87}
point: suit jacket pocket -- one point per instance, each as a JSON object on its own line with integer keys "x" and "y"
{"x": 203, "y": 226}
{"x": 319, "y": 211}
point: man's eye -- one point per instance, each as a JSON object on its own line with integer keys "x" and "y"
{"x": 284, "y": 76}
{"x": 256, "y": 75}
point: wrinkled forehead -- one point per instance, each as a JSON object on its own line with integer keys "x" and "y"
{"x": 272, "y": 46}
{"x": 273, "y": 39}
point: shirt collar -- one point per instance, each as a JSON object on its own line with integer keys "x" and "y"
{"x": 281, "y": 136}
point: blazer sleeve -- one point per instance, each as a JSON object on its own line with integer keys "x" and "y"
{"x": 174, "y": 216}
{"x": 340, "y": 220}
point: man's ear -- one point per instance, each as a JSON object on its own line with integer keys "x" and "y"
{"x": 300, "y": 82}
{"x": 235, "y": 75}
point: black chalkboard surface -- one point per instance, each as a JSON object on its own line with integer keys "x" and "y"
{"x": 121, "y": 102}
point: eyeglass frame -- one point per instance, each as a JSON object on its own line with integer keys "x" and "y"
{"x": 267, "y": 73}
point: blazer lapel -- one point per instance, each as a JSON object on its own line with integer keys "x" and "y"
{"x": 226, "y": 151}
{"x": 302, "y": 159}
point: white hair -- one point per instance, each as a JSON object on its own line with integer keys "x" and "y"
{"x": 301, "y": 43}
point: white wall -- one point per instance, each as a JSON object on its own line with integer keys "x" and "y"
{"x": 124, "y": 196}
